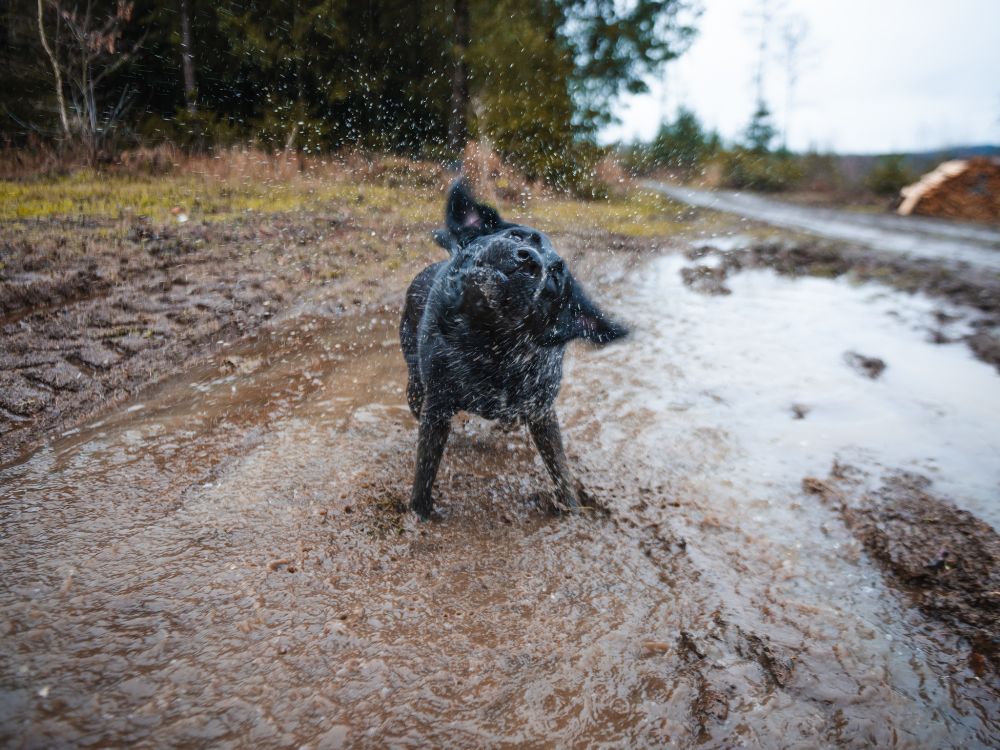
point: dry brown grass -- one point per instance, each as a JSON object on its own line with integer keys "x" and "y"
{"x": 34, "y": 159}
{"x": 39, "y": 160}
{"x": 492, "y": 178}
{"x": 610, "y": 172}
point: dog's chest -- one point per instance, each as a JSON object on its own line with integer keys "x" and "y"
{"x": 511, "y": 384}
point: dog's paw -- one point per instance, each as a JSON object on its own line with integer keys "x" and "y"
{"x": 590, "y": 502}
{"x": 562, "y": 504}
{"x": 425, "y": 512}
{"x": 580, "y": 502}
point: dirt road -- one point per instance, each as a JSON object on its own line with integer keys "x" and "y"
{"x": 224, "y": 560}
{"x": 935, "y": 239}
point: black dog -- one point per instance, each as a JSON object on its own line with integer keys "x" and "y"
{"x": 485, "y": 332}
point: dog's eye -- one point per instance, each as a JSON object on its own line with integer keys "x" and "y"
{"x": 556, "y": 268}
{"x": 532, "y": 237}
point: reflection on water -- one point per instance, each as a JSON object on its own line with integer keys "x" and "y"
{"x": 226, "y": 565}
{"x": 766, "y": 365}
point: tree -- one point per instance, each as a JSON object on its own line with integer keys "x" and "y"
{"x": 567, "y": 59}
{"x": 793, "y": 34}
{"x": 56, "y": 70}
{"x": 762, "y": 19}
{"x": 683, "y": 144}
{"x": 760, "y": 132}
{"x": 889, "y": 175}
{"x": 457, "y": 125}
{"x": 614, "y": 46}
{"x": 275, "y": 45}
{"x": 520, "y": 83}
{"x": 85, "y": 49}
{"x": 538, "y": 77}
{"x": 187, "y": 57}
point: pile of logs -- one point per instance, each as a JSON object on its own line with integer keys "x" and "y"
{"x": 966, "y": 189}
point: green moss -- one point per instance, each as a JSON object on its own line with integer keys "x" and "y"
{"x": 638, "y": 213}
{"x": 90, "y": 194}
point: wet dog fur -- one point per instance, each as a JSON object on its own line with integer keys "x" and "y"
{"x": 485, "y": 332}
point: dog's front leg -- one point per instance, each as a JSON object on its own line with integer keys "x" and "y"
{"x": 434, "y": 429}
{"x": 548, "y": 440}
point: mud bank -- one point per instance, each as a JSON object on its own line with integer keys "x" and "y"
{"x": 945, "y": 558}
{"x": 959, "y": 284}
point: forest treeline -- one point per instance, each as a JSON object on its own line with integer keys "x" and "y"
{"x": 535, "y": 77}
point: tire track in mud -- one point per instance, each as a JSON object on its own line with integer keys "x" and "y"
{"x": 92, "y": 311}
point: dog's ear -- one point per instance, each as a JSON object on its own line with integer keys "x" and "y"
{"x": 466, "y": 219}
{"x": 580, "y": 318}
{"x": 445, "y": 239}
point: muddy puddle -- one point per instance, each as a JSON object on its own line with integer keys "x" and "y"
{"x": 225, "y": 562}
{"x": 779, "y": 364}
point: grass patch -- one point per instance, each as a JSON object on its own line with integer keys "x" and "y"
{"x": 92, "y": 194}
{"x": 637, "y": 213}
{"x": 209, "y": 197}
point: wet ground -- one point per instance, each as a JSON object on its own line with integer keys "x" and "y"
{"x": 224, "y": 561}
{"x": 92, "y": 309}
{"x": 918, "y": 237}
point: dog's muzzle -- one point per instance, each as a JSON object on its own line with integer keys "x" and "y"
{"x": 555, "y": 280}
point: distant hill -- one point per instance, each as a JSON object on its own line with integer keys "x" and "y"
{"x": 958, "y": 152}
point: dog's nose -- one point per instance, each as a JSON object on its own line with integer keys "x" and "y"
{"x": 530, "y": 260}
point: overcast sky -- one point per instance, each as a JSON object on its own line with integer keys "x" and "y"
{"x": 875, "y": 75}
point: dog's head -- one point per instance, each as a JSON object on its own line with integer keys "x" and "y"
{"x": 508, "y": 278}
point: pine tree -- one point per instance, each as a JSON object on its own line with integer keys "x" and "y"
{"x": 760, "y": 132}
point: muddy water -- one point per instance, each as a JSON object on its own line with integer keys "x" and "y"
{"x": 224, "y": 563}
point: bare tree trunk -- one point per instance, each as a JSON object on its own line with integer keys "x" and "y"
{"x": 763, "y": 14}
{"x": 55, "y": 71}
{"x": 793, "y": 34}
{"x": 187, "y": 59}
{"x": 457, "y": 126}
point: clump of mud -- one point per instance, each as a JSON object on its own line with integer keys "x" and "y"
{"x": 944, "y": 557}
{"x": 706, "y": 279}
{"x": 870, "y": 367}
{"x": 958, "y": 283}
{"x": 379, "y": 509}
{"x": 703, "y": 652}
